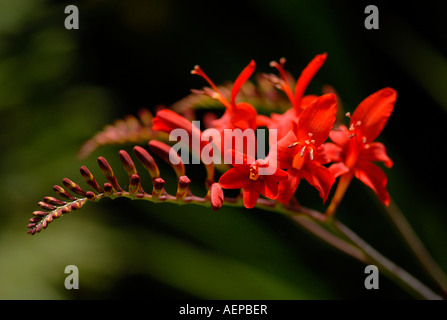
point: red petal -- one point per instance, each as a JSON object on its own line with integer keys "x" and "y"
{"x": 287, "y": 188}
{"x": 243, "y": 116}
{"x": 376, "y": 152}
{"x": 306, "y": 76}
{"x": 373, "y": 113}
{"x": 263, "y": 121}
{"x": 241, "y": 79}
{"x": 285, "y": 154}
{"x": 307, "y": 100}
{"x": 283, "y": 122}
{"x": 235, "y": 178}
{"x": 167, "y": 120}
{"x": 338, "y": 169}
{"x": 373, "y": 177}
{"x": 238, "y": 159}
{"x": 320, "y": 177}
{"x": 318, "y": 119}
{"x": 223, "y": 122}
{"x": 333, "y": 152}
{"x": 321, "y": 155}
{"x": 340, "y": 135}
{"x": 268, "y": 188}
{"x": 278, "y": 175}
{"x": 250, "y": 197}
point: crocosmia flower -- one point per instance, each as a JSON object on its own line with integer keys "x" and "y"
{"x": 240, "y": 115}
{"x": 245, "y": 175}
{"x": 354, "y": 150}
{"x": 301, "y": 151}
{"x": 284, "y": 122}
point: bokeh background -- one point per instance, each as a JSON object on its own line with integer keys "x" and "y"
{"x": 59, "y": 87}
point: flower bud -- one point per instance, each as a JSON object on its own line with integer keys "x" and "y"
{"x": 90, "y": 179}
{"x": 147, "y": 161}
{"x": 168, "y": 155}
{"x": 216, "y": 196}
{"x": 159, "y": 184}
{"x": 73, "y": 187}
{"x": 182, "y": 189}
{"x": 108, "y": 172}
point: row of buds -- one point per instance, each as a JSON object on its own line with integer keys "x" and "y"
{"x": 74, "y": 197}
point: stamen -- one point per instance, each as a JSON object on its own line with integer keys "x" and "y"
{"x": 302, "y": 151}
{"x": 358, "y": 123}
{"x": 348, "y": 114}
{"x": 364, "y": 139}
{"x": 213, "y": 94}
{"x": 293, "y": 145}
{"x": 254, "y": 173}
{"x": 198, "y": 71}
{"x": 284, "y": 84}
{"x": 311, "y": 154}
{"x": 307, "y": 141}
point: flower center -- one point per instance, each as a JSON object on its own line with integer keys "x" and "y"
{"x": 254, "y": 172}
{"x": 355, "y": 131}
{"x": 308, "y": 145}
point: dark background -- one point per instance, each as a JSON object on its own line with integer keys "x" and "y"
{"x": 59, "y": 87}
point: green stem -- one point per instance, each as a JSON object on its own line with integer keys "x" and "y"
{"x": 402, "y": 277}
{"x": 343, "y": 184}
{"x": 351, "y": 244}
{"x": 416, "y": 245}
{"x": 330, "y": 231}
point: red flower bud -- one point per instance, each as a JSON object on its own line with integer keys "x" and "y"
{"x": 216, "y": 196}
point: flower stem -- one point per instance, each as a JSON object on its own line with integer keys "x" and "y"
{"x": 343, "y": 184}
{"x": 331, "y": 231}
{"x": 402, "y": 277}
{"x": 339, "y": 236}
{"x": 416, "y": 245}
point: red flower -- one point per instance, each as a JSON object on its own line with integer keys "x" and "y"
{"x": 240, "y": 115}
{"x": 284, "y": 122}
{"x": 245, "y": 175}
{"x": 354, "y": 150}
{"x": 301, "y": 151}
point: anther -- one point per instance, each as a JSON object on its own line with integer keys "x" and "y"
{"x": 311, "y": 154}
{"x": 293, "y": 145}
{"x": 254, "y": 173}
{"x": 302, "y": 151}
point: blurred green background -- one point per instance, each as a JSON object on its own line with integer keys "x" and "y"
{"x": 59, "y": 87}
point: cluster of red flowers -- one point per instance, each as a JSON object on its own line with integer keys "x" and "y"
{"x": 302, "y": 149}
